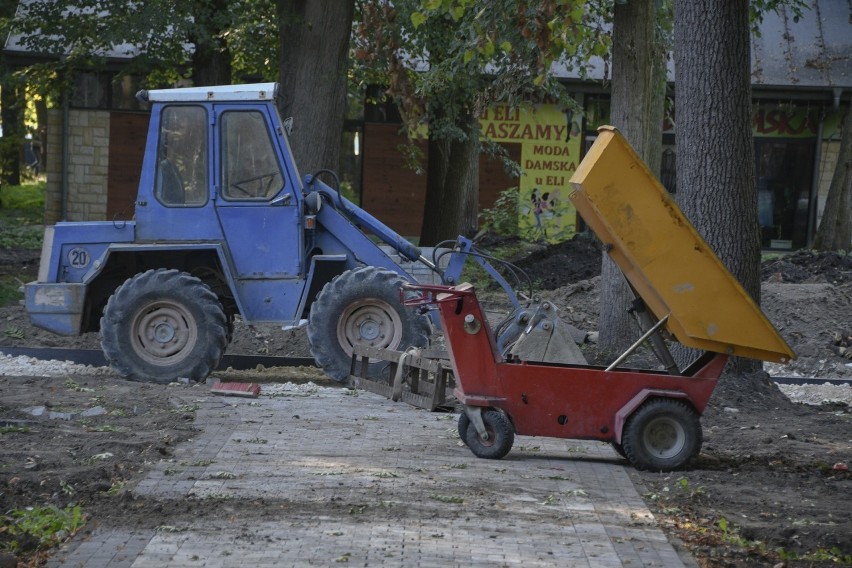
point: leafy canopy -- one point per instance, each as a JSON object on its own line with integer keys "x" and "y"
{"x": 444, "y": 60}
{"x": 155, "y": 37}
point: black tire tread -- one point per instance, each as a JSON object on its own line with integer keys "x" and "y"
{"x": 631, "y": 440}
{"x": 463, "y": 425}
{"x": 504, "y": 436}
{"x": 158, "y": 283}
{"x": 363, "y": 282}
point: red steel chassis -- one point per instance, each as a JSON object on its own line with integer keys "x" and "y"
{"x": 547, "y": 399}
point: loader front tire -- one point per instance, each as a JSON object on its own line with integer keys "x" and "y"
{"x": 662, "y": 435}
{"x": 162, "y": 325}
{"x": 362, "y": 306}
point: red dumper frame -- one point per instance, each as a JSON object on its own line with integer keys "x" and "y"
{"x": 683, "y": 291}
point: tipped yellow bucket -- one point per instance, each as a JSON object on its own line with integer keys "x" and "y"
{"x": 665, "y": 259}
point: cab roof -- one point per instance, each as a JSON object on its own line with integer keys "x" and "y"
{"x": 219, "y": 93}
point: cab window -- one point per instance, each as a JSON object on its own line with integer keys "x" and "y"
{"x": 250, "y": 167}
{"x": 181, "y": 177}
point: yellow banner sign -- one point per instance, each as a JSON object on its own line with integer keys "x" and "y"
{"x": 550, "y": 151}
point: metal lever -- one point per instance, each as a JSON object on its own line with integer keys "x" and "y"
{"x": 639, "y": 342}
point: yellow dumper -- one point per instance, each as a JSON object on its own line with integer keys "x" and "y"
{"x": 665, "y": 259}
{"x": 650, "y": 417}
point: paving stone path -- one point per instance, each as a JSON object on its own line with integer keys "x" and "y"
{"x": 346, "y": 477}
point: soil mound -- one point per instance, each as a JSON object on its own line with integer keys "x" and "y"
{"x": 563, "y": 263}
{"x": 809, "y": 266}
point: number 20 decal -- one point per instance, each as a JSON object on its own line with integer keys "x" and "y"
{"x": 78, "y": 258}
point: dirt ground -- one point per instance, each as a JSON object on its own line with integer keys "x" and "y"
{"x": 771, "y": 486}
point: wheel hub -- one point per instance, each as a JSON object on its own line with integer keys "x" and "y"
{"x": 665, "y": 438}
{"x": 370, "y": 330}
{"x": 164, "y": 332}
{"x": 369, "y": 321}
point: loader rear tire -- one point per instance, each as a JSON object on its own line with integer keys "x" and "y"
{"x": 662, "y": 435}
{"x": 362, "y": 306}
{"x": 162, "y": 325}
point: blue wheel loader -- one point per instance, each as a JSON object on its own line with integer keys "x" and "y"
{"x": 225, "y": 226}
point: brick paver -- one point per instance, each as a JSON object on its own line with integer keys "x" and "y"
{"x": 359, "y": 480}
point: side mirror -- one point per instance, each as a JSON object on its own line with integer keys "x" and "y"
{"x": 288, "y": 125}
{"x": 313, "y": 203}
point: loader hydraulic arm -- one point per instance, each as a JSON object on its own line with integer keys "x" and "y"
{"x": 358, "y": 216}
{"x": 462, "y": 249}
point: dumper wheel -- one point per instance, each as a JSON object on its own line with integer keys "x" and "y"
{"x": 162, "y": 325}
{"x": 362, "y": 306}
{"x": 501, "y": 436}
{"x": 619, "y": 449}
{"x": 662, "y": 435}
{"x": 464, "y": 423}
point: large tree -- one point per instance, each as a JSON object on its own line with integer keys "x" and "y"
{"x": 447, "y": 60}
{"x": 314, "y": 47}
{"x": 715, "y": 152}
{"x": 637, "y": 105}
{"x": 835, "y": 228}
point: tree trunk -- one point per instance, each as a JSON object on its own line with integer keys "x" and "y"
{"x": 211, "y": 60}
{"x": 12, "y": 102}
{"x": 314, "y": 61}
{"x": 41, "y": 134}
{"x": 715, "y": 151}
{"x": 638, "y": 99}
{"x": 452, "y": 187}
{"x": 835, "y": 228}
{"x": 436, "y": 175}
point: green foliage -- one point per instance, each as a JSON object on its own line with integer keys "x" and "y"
{"x": 48, "y": 524}
{"x": 24, "y": 237}
{"x": 9, "y": 293}
{"x": 26, "y": 199}
{"x": 83, "y": 31}
{"x": 502, "y": 219}
{"x": 21, "y": 218}
{"x": 252, "y": 39}
{"x": 833, "y": 555}
{"x": 446, "y": 60}
{"x": 757, "y": 8}
{"x": 154, "y": 35}
{"x": 14, "y": 333}
{"x": 21, "y": 215}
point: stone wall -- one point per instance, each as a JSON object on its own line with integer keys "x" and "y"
{"x": 87, "y": 170}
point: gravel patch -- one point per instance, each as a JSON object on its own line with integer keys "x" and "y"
{"x": 23, "y": 366}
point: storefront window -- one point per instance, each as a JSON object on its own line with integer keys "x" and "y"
{"x": 784, "y": 177}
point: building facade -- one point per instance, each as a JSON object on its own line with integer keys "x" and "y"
{"x": 802, "y": 85}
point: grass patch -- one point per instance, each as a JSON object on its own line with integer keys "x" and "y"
{"x": 21, "y": 227}
{"x": 41, "y": 527}
{"x": 21, "y": 237}
{"x": 22, "y": 215}
{"x": 25, "y": 197}
{"x": 9, "y": 290}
